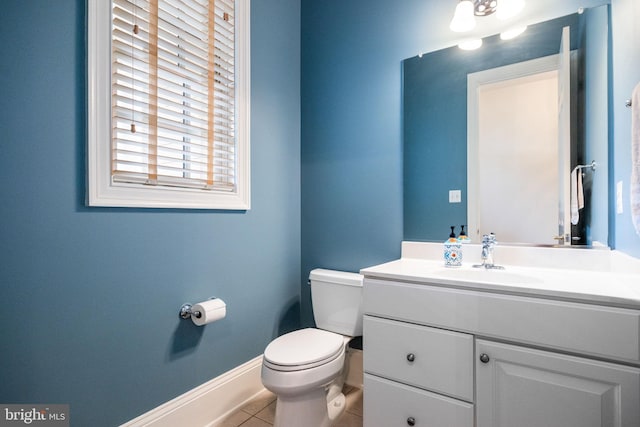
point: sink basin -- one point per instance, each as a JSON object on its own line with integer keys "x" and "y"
{"x": 482, "y": 275}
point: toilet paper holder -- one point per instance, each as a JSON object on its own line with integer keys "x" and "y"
{"x": 186, "y": 311}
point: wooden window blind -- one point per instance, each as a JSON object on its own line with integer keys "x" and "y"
{"x": 173, "y": 93}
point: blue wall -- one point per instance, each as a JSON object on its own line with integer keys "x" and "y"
{"x": 90, "y": 296}
{"x": 351, "y": 151}
{"x": 626, "y": 75}
{"x": 596, "y": 123}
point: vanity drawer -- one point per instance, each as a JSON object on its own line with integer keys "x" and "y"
{"x": 429, "y": 358}
{"x": 387, "y": 403}
{"x": 601, "y": 331}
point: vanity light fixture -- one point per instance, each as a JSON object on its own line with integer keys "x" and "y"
{"x": 470, "y": 44}
{"x": 485, "y": 7}
{"x": 466, "y": 11}
{"x": 512, "y": 33}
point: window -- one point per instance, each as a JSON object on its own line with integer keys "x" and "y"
{"x": 169, "y": 103}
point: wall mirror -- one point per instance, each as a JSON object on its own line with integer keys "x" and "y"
{"x": 447, "y": 134}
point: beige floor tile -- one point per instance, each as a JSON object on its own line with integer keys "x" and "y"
{"x": 268, "y": 414}
{"x": 235, "y": 419}
{"x": 256, "y": 422}
{"x": 261, "y": 401}
{"x": 348, "y": 420}
{"x": 354, "y": 402}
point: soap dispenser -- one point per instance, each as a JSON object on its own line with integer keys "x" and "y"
{"x": 452, "y": 250}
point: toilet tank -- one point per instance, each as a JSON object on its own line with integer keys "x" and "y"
{"x": 336, "y": 297}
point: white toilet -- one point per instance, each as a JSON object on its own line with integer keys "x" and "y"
{"x": 305, "y": 368}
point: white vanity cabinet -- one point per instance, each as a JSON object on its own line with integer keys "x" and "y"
{"x": 439, "y": 356}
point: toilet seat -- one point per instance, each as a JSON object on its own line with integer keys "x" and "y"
{"x": 303, "y": 349}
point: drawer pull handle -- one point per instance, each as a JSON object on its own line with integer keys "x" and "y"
{"x": 484, "y": 358}
{"x": 411, "y": 357}
{"x": 411, "y": 421}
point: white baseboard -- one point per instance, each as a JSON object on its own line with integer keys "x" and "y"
{"x": 209, "y": 402}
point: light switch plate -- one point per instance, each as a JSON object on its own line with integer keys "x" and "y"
{"x": 455, "y": 196}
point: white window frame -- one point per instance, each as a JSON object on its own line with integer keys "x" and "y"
{"x": 101, "y": 190}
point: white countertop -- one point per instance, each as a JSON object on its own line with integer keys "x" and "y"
{"x": 581, "y": 285}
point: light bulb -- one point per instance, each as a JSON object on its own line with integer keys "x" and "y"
{"x": 470, "y": 44}
{"x": 463, "y": 19}
{"x": 512, "y": 33}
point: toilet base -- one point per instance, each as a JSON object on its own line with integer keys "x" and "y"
{"x": 310, "y": 409}
{"x": 336, "y": 407}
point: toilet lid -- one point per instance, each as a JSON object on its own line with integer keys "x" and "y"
{"x": 304, "y": 347}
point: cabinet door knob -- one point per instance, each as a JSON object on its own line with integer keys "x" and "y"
{"x": 484, "y": 358}
{"x": 411, "y": 421}
{"x": 411, "y": 357}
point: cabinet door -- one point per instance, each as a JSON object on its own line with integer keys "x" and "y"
{"x": 517, "y": 386}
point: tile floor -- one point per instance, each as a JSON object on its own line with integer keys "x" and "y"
{"x": 262, "y": 409}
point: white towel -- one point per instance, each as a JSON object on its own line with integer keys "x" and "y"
{"x": 635, "y": 158}
{"x": 580, "y": 190}
{"x": 577, "y": 195}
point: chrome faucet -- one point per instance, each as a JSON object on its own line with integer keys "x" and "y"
{"x": 488, "y": 244}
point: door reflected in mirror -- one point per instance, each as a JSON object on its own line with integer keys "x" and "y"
{"x": 513, "y": 153}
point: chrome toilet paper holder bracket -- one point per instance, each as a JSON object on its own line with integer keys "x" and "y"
{"x": 186, "y": 312}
